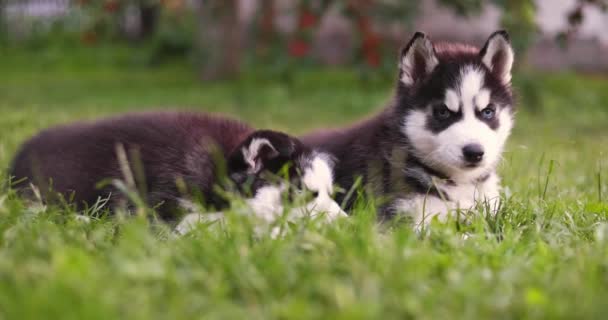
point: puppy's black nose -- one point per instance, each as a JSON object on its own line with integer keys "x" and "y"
{"x": 473, "y": 152}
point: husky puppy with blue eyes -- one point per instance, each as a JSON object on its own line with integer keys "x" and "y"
{"x": 434, "y": 150}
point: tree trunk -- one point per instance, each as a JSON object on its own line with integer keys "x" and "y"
{"x": 219, "y": 39}
{"x": 267, "y": 33}
{"x": 149, "y": 18}
{"x": 370, "y": 40}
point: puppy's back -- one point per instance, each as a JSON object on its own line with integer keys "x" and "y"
{"x": 168, "y": 145}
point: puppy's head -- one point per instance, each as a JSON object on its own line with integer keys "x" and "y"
{"x": 264, "y": 151}
{"x": 455, "y": 103}
{"x": 310, "y": 173}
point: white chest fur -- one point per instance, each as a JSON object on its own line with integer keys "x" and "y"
{"x": 465, "y": 197}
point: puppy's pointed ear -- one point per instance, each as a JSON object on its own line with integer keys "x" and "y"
{"x": 418, "y": 59}
{"x": 497, "y": 54}
{"x": 263, "y": 150}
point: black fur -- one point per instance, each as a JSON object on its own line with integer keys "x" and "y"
{"x": 171, "y": 155}
{"x": 286, "y": 152}
{"x": 376, "y": 140}
{"x": 437, "y": 123}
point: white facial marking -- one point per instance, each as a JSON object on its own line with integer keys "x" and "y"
{"x": 250, "y": 153}
{"x": 482, "y": 99}
{"x": 471, "y": 82}
{"x": 424, "y": 141}
{"x": 443, "y": 150}
{"x": 451, "y": 100}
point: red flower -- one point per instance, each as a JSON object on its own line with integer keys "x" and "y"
{"x": 307, "y": 20}
{"x": 370, "y": 48}
{"x": 370, "y": 42}
{"x": 111, "y": 6}
{"x": 372, "y": 59}
{"x": 298, "y": 48}
{"x": 88, "y": 38}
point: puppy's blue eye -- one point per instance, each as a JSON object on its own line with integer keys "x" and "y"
{"x": 489, "y": 112}
{"x": 441, "y": 112}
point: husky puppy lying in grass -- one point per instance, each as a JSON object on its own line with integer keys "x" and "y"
{"x": 434, "y": 150}
{"x": 166, "y": 160}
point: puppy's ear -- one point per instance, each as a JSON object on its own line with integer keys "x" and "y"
{"x": 417, "y": 60}
{"x": 497, "y": 54}
{"x": 262, "y": 150}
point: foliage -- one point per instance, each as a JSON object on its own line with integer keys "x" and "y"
{"x": 518, "y": 17}
{"x": 173, "y": 28}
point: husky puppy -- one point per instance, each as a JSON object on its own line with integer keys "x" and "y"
{"x": 267, "y": 151}
{"x": 314, "y": 174}
{"x": 168, "y": 157}
{"x": 435, "y": 148}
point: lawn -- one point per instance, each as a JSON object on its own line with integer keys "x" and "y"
{"x": 545, "y": 256}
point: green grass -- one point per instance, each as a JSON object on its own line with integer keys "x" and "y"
{"x": 546, "y": 256}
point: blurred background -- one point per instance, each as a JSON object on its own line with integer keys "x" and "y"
{"x": 220, "y": 38}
